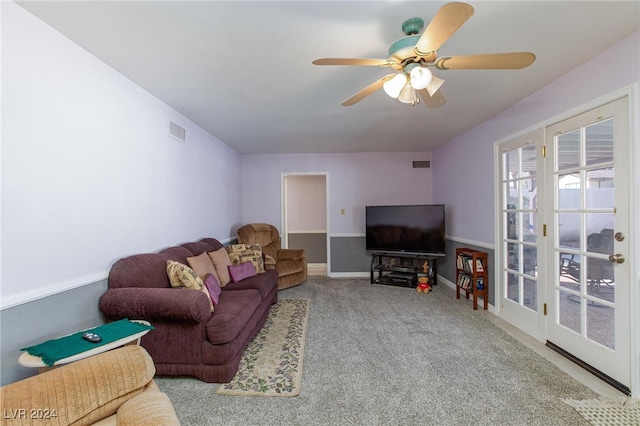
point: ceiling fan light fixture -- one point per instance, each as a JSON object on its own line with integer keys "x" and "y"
{"x": 408, "y": 95}
{"x": 394, "y": 86}
{"x": 420, "y": 77}
{"x": 434, "y": 85}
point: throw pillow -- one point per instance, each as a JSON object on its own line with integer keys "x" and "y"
{"x": 181, "y": 276}
{"x": 242, "y": 271}
{"x": 212, "y": 284}
{"x": 203, "y": 266}
{"x": 240, "y": 253}
{"x": 220, "y": 259}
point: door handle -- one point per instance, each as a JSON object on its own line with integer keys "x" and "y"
{"x": 616, "y": 258}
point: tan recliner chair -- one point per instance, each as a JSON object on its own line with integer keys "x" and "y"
{"x": 114, "y": 387}
{"x": 290, "y": 264}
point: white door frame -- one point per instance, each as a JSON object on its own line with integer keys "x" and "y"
{"x": 631, "y": 91}
{"x": 283, "y": 208}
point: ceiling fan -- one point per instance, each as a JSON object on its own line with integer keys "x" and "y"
{"x": 414, "y": 54}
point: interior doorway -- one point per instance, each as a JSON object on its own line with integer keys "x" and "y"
{"x": 305, "y": 217}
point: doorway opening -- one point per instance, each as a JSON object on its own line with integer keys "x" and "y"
{"x": 305, "y": 218}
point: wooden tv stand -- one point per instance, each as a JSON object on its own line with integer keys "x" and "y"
{"x": 402, "y": 269}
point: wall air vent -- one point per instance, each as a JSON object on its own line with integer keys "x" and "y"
{"x": 177, "y": 132}
{"x": 422, "y": 164}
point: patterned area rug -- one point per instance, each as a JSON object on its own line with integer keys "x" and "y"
{"x": 607, "y": 413}
{"x": 272, "y": 363}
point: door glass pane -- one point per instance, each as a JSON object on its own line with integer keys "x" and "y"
{"x": 600, "y": 188}
{"x": 569, "y": 270}
{"x": 568, "y": 146}
{"x": 600, "y": 233}
{"x": 513, "y": 258}
{"x": 529, "y": 158}
{"x": 530, "y": 294}
{"x": 600, "y": 322}
{"x": 569, "y": 310}
{"x": 569, "y": 230}
{"x": 599, "y": 142}
{"x": 513, "y": 287}
{"x": 600, "y": 279}
{"x": 529, "y": 195}
{"x": 530, "y": 259}
{"x": 529, "y": 220}
{"x": 569, "y": 191}
{"x": 511, "y": 164}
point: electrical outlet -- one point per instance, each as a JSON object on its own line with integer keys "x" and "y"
{"x": 342, "y": 212}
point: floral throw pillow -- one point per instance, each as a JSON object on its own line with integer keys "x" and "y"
{"x": 181, "y": 276}
{"x": 240, "y": 253}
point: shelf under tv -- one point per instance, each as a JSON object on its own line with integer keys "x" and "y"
{"x": 404, "y": 273}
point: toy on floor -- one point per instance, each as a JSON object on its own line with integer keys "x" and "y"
{"x": 423, "y": 282}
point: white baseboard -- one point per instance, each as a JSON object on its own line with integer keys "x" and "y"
{"x": 317, "y": 269}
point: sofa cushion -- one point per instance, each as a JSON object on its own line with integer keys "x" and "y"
{"x": 241, "y": 271}
{"x": 221, "y": 261}
{"x": 203, "y": 266}
{"x": 240, "y": 253}
{"x": 212, "y": 284}
{"x": 181, "y": 276}
{"x": 232, "y": 315}
{"x": 264, "y": 283}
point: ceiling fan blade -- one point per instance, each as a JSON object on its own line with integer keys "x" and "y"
{"x": 489, "y": 61}
{"x": 348, "y": 61}
{"x": 435, "y": 101}
{"x": 448, "y": 19}
{"x": 367, "y": 90}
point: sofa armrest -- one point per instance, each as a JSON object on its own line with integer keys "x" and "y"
{"x": 165, "y": 304}
{"x": 291, "y": 254}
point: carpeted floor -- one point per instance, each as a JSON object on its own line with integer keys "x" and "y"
{"x": 383, "y": 355}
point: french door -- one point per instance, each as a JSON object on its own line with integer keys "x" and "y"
{"x": 522, "y": 298}
{"x": 587, "y": 244}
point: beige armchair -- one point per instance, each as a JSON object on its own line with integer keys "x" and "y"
{"x": 290, "y": 264}
{"x": 115, "y": 387}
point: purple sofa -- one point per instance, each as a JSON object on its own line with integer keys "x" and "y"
{"x": 188, "y": 339}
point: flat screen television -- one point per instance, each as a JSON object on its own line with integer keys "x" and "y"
{"x": 412, "y": 229}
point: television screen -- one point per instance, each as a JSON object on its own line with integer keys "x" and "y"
{"x": 412, "y": 229}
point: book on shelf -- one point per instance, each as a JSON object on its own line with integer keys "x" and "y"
{"x": 464, "y": 281}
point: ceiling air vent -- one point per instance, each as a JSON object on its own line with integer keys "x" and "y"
{"x": 177, "y": 132}
{"x": 422, "y": 164}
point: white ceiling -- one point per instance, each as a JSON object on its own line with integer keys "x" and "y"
{"x": 242, "y": 69}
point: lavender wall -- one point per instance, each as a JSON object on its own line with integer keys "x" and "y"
{"x": 464, "y": 168}
{"x": 355, "y": 180}
{"x": 89, "y": 173}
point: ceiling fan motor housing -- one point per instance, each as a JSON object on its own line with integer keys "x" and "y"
{"x": 412, "y": 26}
{"x": 404, "y": 49}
